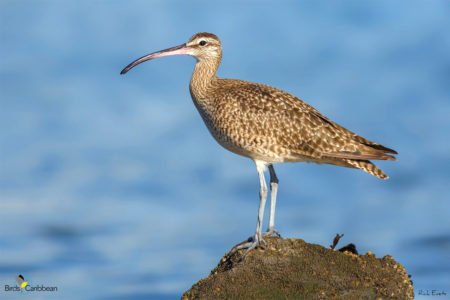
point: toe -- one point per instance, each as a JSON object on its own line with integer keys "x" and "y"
{"x": 251, "y": 244}
{"x": 271, "y": 232}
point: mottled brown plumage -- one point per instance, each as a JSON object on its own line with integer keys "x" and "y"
{"x": 266, "y": 124}
{"x": 270, "y": 125}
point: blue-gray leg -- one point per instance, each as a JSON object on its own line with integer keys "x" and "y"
{"x": 273, "y": 202}
{"x": 257, "y": 239}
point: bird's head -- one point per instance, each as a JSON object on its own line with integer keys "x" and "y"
{"x": 203, "y": 46}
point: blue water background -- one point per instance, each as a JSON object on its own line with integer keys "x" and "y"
{"x": 112, "y": 188}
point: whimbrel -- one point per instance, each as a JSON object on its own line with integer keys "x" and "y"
{"x": 267, "y": 125}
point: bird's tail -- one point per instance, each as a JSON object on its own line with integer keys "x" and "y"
{"x": 367, "y": 166}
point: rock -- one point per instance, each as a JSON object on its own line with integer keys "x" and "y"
{"x": 294, "y": 269}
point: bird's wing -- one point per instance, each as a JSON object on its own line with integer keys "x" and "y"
{"x": 305, "y": 131}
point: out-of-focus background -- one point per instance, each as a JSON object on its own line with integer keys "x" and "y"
{"x": 112, "y": 188}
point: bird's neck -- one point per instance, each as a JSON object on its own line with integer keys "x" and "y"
{"x": 204, "y": 79}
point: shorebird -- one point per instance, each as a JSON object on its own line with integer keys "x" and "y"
{"x": 267, "y": 125}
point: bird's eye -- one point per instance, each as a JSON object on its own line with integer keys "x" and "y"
{"x": 202, "y": 43}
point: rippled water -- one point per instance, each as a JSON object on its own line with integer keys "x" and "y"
{"x": 112, "y": 188}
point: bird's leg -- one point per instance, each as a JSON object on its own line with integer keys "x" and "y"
{"x": 257, "y": 239}
{"x": 273, "y": 202}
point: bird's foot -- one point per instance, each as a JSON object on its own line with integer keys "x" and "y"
{"x": 271, "y": 232}
{"x": 251, "y": 244}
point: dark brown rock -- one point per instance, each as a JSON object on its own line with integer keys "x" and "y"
{"x": 294, "y": 269}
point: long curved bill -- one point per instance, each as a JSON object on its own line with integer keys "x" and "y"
{"x": 178, "y": 50}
